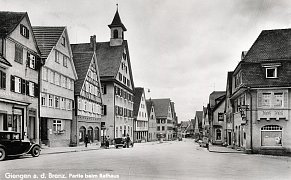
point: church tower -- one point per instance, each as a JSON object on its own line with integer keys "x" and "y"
{"x": 117, "y": 30}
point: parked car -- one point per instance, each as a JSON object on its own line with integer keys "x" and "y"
{"x": 121, "y": 142}
{"x": 12, "y": 145}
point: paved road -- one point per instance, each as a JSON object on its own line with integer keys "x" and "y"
{"x": 169, "y": 160}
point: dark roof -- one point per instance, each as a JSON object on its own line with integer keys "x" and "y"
{"x": 82, "y": 59}
{"x": 9, "y": 21}
{"x": 199, "y": 115}
{"x": 4, "y": 61}
{"x": 138, "y": 92}
{"x": 116, "y": 22}
{"x": 270, "y": 45}
{"x": 161, "y": 107}
{"x": 214, "y": 97}
{"x": 46, "y": 38}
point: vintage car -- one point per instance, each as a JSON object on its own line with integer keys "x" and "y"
{"x": 121, "y": 142}
{"x": 12, "y": 145}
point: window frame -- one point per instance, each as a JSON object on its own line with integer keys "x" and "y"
{"x": 275, "y": 72}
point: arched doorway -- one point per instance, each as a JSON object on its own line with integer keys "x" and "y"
{"x": 82, "y": 133}
{"x": 90, "y": 134}
{"x": 96, "y": 134}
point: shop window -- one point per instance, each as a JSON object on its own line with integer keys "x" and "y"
{"x": 218, "y": 134}
{"x": 271, "y": 135}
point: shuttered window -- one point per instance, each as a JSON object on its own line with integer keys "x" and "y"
{"x": 2, "y": 80}
{"x": 18, "y": 54}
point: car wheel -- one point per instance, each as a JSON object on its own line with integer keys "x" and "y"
{"x": 35, "y": 152}
{"x": 2, "y": 154}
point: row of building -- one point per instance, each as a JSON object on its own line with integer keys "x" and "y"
{"x": 55, "y": 93}
{"x": 254, "y": 112}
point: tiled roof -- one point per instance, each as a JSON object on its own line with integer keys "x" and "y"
{"x": 270, "y": 45}
{"x": 109, "y": 58}
{"x": 9, "y": 21}
{"x": 47, "y": 38}
{"x": 4, "y": 61}
{"x": 138, "y": 92}
{"x": 82, "y": 60}
{"x": 116, "y": 22}
{"x": 161, "y": 107}
{"x": 213, "y": 97}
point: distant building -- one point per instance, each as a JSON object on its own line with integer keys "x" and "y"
{"x": 19, "y": 76}
{"x": 141, "y": 117}
{"x": 197, "y": 123}
{"x": 152, "y": 135}
{"x": 58, "y": 75}
{"x": 164, "y": 117}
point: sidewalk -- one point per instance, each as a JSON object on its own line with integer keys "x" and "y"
{"x": 222, "y": 149}
{"x": 57, "y": 150}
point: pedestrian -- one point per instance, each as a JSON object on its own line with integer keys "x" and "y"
{"x": 127, "y": 141}
{"x": 86, "y": 140}
{"x": 107, "y": 143}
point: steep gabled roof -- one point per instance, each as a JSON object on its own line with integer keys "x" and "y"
{"x": 161, "y": 107}
{"x": 82, "y": 59}
{"x": 47, "y": 37}
{"x": 9, "y": 21}
{"x": 214, "y": 98}
{"x": 138, "y": 92}
{"x": 116, "y": 22}
{"x": 270, "y": 45}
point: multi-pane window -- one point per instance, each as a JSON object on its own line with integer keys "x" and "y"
{"x": 63, "y": 103}
{"x": 57, "y": 79}
{"x": 50, "y": 100}
{"x": 44, "y": 74}
{"x": 17, "y": 85}
{"x": 51, "y": 76}
{"x": 57, "y": 125}
{"x": 69, "y": 104}
{"x": 31, "y": 60}
{"x": 31, "y": 89}
{"x": 2, "y": 80}
{"x": 43, "y": 99}
{"x": 24, "y": 31}
{"x": 278, "y": 100}
{"x": 18, "y": 54}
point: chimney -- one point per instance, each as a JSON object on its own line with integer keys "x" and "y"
{"x": 93, "y": 42}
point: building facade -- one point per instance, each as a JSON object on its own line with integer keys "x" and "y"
{"x": 117, "y": 82}
{"x": 19, "y": 76}
{"x": 88, "y": 96}
{"x": 152, "y": 121}
{"x": 261, "y": 95}
{"x": 164, "y": 118}
{"x": 141, "y": 117}
{"x": 57, "y": 79}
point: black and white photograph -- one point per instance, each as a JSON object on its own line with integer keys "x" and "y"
{"x": 145, "y": 89}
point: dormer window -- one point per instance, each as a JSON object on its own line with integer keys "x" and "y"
{"x": 115, "y": 34}
{"x": 271, "y": 70}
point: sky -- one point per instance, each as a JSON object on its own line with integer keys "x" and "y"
{"x": 180, "y": 50}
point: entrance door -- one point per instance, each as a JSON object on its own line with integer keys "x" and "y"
{"x": 229, "y": 138}
{"x": 43, "y": 130}
{"x": 31, "y": 128}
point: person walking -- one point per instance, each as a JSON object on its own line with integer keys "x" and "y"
{"x": 127, "y": 141}
{"x": 107, "y": 143}
{"x": 86, "y": 140}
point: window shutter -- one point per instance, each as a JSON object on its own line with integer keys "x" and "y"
{"x": 37, "y": 63}
{"x": 104, "y": 89}
{"x": 27, "y": 34}
{"x": 259, "y": 99}
{"x": 3, "y": 85}
{"x": 27, "y": 87}
{"x": 285, "y": 94}
{"x": 28, "y": 60}
{"x": 21, "y": 29}
{"x": 12, "y": 83}
{"x": 105, "y": 110}
{"x": 23, "y": 83}
{"x": 36, "y": 90}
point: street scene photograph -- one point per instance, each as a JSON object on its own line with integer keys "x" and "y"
{"x": 145, "y": 89}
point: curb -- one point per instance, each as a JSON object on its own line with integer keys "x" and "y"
{"x": 70, "y": 151}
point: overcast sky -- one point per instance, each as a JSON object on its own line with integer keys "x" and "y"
{"x": 179, "y": 49}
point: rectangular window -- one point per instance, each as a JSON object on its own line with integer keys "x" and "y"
{"x": 43, "y": 99}
{"x": 271, "y": 72}
{"x": 63, "y": 103}
{"x": 31, "y": 89}
{"x": 50, "y": 100}
{"x": 68, "y": 83}
{"x": 18, "y": 54}
{"x": 57, "y": 125}
{"x": 31, "y": 59}
{"x": 72, "y": 84}
{"x": 57, "y": 56}
{"x": 124, "y": 79}
{"x": 120, "y": 77}
{"x": 266, "y": 99}
{"x": 69, "y": 104}
{"x": 65, "y": 61}
{"x": 2, "y": 80}
{"x": 63, "y": 80}
{"x": 57, "y": 102}
{"x": 63, "y": 41}
{"x": 278, "y": 100}
{"x": 220, "y": 117}
{"x": 57, "y": 79}
{"x": 103, "y": 89}
{"x": 128, "y": 82}
{"x": 44, "y": 74}
{"x": 17, "y": 85}
{"x": 24, "y": 31}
